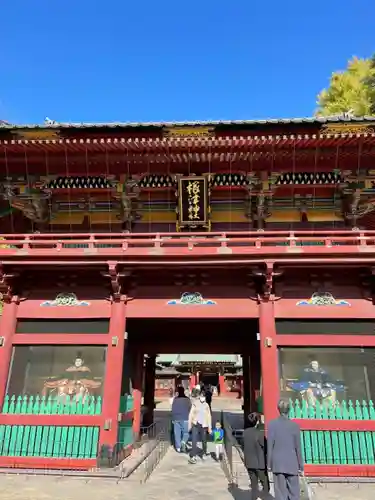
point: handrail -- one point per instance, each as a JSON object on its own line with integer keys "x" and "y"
{"x": 247, "y": 243}
{"x": 258, "y": 234}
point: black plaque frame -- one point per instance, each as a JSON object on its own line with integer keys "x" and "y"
{"x": 184, "y": 202}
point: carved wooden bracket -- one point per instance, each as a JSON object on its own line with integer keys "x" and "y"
{"x": 6, "y": 282}
{"x": 116, "y": 278}
{"x": 267, "y": 277}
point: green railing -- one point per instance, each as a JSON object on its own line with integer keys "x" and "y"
{"x": 97, "y": 245}
{"x": 343, "y": 410}
{"x": 126, "y": 404}
{"x": 338, "y": 447}
{"x": 38, "y": 405}
{"x": 326, "y": 447}
{"x": 125, "y": 429}
{"x": 48, "y": 441}
{"x": 125, "y": 433}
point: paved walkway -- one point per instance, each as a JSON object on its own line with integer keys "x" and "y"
{"x": 173, "y": 479}
{"x": 176, "y": 479}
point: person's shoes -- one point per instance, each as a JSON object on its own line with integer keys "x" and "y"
{"x": 178, "y": 450}
{"x": 192, "y": 460}
{"x": 203, "y": 457}
{"x": 183, "y": 447}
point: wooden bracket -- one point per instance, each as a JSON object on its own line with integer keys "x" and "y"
{"x": 267, "y": 277}
{"x": 116, "y": 279}
{"x": 6, "y": 290}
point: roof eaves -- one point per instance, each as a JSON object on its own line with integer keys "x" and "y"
{"x": 271, "y": 121}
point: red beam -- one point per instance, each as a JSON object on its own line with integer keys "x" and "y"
{"x": 48, "y": 463}
{"x": 313, "y": 470}
{"x": 61, "y": 338}
{"x": 264, "y": 234}
{"x": 57, "y": 420}
{"x": 335, "y": 425}
{"x": 300, "y": 262}
{"x": 318, "y": 340}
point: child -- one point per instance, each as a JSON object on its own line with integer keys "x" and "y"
{"x": 218, "y": 437}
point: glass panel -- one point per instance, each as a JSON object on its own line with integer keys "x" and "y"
{"x": 327, "y": 375}
{"x": 57, "y": 370}
{"x": 62, "y": 326}
{"x": 327, "y": 327}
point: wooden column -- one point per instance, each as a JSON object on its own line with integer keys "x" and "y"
{"x": 137, "y": 379}
{"x": 8, "y": 322}
{"x": 192, "y": 381}
{"x": 113, "y": 373}
{"x": 269, "y": 360}
{"x": 222, "y": 385}
{"x": 149, "y": 393}
{"x": 246, "y": 387}
{"x": 254, "y": 379}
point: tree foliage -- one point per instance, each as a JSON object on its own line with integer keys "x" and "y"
{"x": 370, "y": 82}
{"x": 351, "y": 91}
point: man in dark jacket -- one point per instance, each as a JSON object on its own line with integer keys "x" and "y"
{"x": 255, "y": 456}
{"x": 284, "y": 456}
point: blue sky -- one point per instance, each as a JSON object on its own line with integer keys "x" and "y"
{"x": 168, "y": 60}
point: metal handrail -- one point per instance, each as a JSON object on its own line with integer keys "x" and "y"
{"x": 158, "y": 447}
{"x": 234, "y": 460}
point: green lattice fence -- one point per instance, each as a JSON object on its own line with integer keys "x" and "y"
{"x": 125, "y": 430}
{"x": 48, "y": 441}
{"x": 338, "y": 447}
{"x": 30, "y": 405}
{"x": 343, "y": 410}
{"x": 325, "y": 447}
{"x": 96, "y": 245}
{"x": 126, "y": 404}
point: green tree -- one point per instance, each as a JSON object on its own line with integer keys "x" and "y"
{"x": 349, "y": 91}
{"x": 370, "y": 82}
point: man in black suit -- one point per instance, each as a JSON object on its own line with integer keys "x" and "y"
{"x": 255, "y": 456}
{"x": 284, "y": 456}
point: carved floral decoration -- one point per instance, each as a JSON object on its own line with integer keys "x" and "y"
{"x": 191, "y": 299}
{"x": 65, "y": 300}
{"x": 322, "y": 299}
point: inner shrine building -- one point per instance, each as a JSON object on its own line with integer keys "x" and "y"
{"x": 249, "y": 242}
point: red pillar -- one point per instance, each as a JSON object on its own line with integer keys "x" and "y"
{"x": 192, "y": 381}
{"x": 137, "y": 392}
{"x": 113, "y": 373}
{"x": 269, "y": 360}
{"x": 254, "y": 380}
{"x": 8, "y": 322}
{"x": 222, "y": 385}
{"x": 246, "y": 387}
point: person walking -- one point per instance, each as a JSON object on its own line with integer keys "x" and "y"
{"x": 255, "y": 449}
{"x": 180, "y": 417}
{"x": 200, "y": 423}
{"x": 284, "y": 457}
